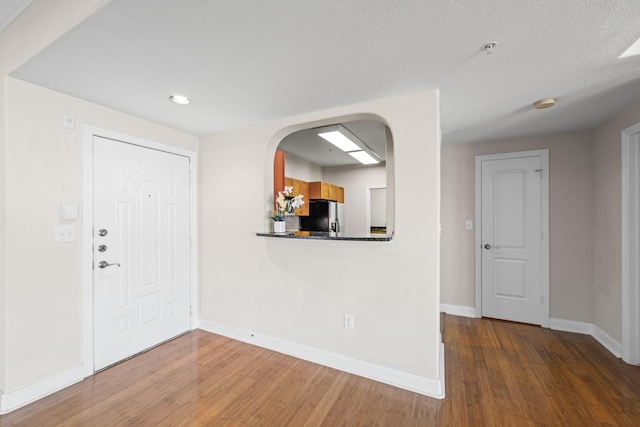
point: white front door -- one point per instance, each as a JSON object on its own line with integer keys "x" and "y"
{"x": 511, "y": 238}
{"x": 141, "y": 249}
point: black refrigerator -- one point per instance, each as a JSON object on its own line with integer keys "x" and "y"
{"x": 324, "y": 215}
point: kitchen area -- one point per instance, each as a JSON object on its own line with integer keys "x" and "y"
{"x": 343, "y": 188}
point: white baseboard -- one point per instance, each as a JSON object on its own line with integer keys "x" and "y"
{"x": 458, "y": 310}
{"x": 21, "y": 397}
{"x": 607, "y": 341}
{"x": 571, "y": 326}
{"x": 442, "y": 377}
{"x": 426, "y": 386}
{"x": 588, "y": 329}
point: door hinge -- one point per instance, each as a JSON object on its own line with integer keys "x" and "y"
{"x": 190, "y": 309}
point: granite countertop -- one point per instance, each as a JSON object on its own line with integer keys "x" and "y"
{"x": 324, "y": 235}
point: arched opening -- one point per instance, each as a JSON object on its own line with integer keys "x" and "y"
{"x": 335, "y": 177}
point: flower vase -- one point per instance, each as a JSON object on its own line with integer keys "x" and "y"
{"x": 279, "y": 226}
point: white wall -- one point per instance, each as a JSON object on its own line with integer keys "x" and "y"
{"x": 34, "y": 29}
{"x": 44, "y": 280}
{"x": 296, "y": 167}
{"x": 356, "y": 181}
{"x": 298, "y": 290}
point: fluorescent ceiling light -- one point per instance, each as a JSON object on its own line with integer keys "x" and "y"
{"x": 634, "y": 49}
{"x": 340, "y": 137}
{"x": 364, "y": 157}
{"x": 179, "y": 99}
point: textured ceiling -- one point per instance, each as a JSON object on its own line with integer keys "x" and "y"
{"x": 244, "y": 62}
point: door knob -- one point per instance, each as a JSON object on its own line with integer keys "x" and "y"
{"x": 105, "y": 264}
{"x": 102, "y": 232}
{"x": 487, "y": 246}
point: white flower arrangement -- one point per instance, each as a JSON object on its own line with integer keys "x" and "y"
{"x": 286, "y": 203}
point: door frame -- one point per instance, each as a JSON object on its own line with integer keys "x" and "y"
{"x": 544, "y": 158}
{"x": 630, "y": 291}
{"x": 89, "y": 133}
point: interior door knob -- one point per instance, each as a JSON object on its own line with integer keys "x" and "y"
{"x": 105, "y": 264}
{"x": 487, "y": 246}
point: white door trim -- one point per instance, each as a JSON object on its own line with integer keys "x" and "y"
{"x": 630, "y": 291}
{"x": 89, "y": 133}
{"x": 544, "y": 157}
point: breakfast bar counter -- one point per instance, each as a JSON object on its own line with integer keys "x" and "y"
{"x": 322, "y": 235}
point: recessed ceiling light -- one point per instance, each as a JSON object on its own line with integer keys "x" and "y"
{"x": 179, "y": 99}
{"x": 634, "y": 49}
{"x": 544, "y": 103}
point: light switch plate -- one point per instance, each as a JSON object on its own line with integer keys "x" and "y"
{"x": 69, "y": 121}
{"x": 69, "y": 211}
{"x": 468, "y": 225}
{"x": 65, "y": 233}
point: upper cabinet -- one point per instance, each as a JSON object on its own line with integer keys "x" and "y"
{"x": 299, "y": 187}
{"x": 302, "y": 188}
{"x": 340, "y": 196}
{"x": 326, "y": 191}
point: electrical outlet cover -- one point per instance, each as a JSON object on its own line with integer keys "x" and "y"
{"x": 65, "y": 233}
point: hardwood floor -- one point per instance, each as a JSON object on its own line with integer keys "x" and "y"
{"x": 497, "y": 374}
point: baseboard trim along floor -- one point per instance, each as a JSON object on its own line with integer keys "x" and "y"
{"x": 556, "y": 324}
{"x": 21, "y": 397}
{"x": 394, "y": 377}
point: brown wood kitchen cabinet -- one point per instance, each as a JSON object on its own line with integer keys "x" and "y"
{"x": 304, "y": 190}
{"x": 288, "y": 182}
{"x": 340, "y": 194}
{"x": 326, "y": 191}
{"x": 299, "y": 187}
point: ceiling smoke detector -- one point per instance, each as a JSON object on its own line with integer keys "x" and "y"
{"x": 488, "y": 48}
{"x": 543, "y": 103}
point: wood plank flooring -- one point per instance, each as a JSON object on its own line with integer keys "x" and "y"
{"x": 497, "y": 374}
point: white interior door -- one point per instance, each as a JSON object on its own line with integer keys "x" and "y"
{"x": 511, "y": 239}
{"x": 141, "y": 249}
